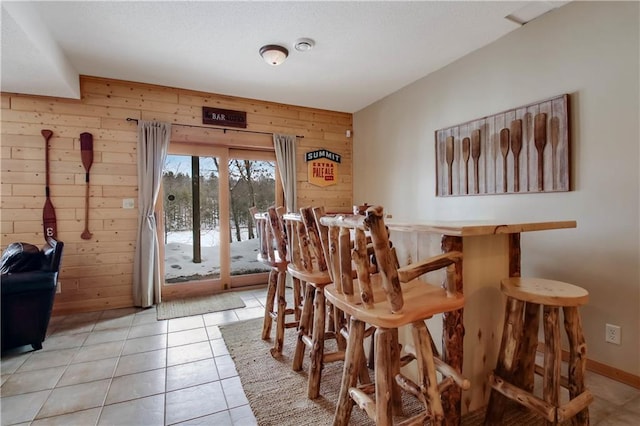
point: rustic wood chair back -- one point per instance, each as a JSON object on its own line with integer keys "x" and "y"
{"x": 305, "y": 249}
{"x": 388, "y": 297}
{"x": 271, "y": 234}
{"x": 348, "y": 245}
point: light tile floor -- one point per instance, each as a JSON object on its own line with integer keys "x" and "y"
{"x": 123, "y": 367}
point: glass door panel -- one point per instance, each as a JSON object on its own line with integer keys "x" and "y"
{"x": 191, "y": 217}
{"x": 252, "y": 181}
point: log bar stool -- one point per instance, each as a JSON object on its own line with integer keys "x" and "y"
{"x": 384, "y": 303}
{"x": 513, "y": 376}
{"x": 273, "y": 253}
{"x": 308, "y": 263}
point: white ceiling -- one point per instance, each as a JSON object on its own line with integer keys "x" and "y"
{"x": 364, "y": 50}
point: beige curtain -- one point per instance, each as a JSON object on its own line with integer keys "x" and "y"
{"x": 153, "y": 142}
{"x": 285, "y": 146}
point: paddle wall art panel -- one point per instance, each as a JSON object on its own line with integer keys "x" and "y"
{"x": 522, "y": 150}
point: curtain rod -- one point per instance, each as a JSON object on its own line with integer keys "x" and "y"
{"x": 224, "y": 129}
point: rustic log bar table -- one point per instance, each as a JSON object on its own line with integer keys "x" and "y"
{"x": 491, "y": 252}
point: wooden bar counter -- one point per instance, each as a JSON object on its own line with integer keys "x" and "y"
{"x": 491, "y": 252}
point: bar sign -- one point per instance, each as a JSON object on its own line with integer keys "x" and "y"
{"x": 224, "y": 117}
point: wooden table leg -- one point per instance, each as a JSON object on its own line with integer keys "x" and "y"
{"x": 514, "y": 255}
{"x": 453, "y": 339}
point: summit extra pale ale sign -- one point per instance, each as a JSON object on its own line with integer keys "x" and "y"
{"x": 322, "y": 167}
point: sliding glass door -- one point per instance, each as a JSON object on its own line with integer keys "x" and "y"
{"x": 207, "y": 233}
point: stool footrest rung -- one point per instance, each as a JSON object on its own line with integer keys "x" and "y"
{"x": 416, "y": 420}
{"x": 448, "y": 371}
{"x": 329, "y": 335}
{"x": 524, "y": 398}
{"x": 574, "y": 406}
{"x": 345, "y": 333}
{"x": 445, "y": 384}
{"x": 369, "y": 388}
{"x": 333, "y": 356}
{"x": 406, "y": 359}
{"x": 306, "y": 339}
{"x": 364, "y": 401}
{"x": 409, "y": 386}
{"x": 292, "y": 324}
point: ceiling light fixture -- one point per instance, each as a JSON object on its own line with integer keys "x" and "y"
{"x": 304, "y": 44}
{"x": 274, "y": 54}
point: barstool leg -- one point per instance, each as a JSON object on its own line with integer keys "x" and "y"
{"x": 384, "y": 381}
{"x": 552, "y": 359}
{"x": 268, "y": 308}
{"x": 281, "y": 314}
{"x": 396, "y": 396}
{"x": 304, "y": 327}
{"x": 338, "y": 323}
{"x": 352, "y": 364}
{"x": 317, "y": 344}
{"x": 298, "y": 289}
{"x": 427, "y": 371}
{"x": 511, "y": 334}
{"x": 577, "y": 360}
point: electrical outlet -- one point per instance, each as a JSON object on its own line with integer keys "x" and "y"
{"x": 612, "y": 334}
{"x": 128, "y": 203}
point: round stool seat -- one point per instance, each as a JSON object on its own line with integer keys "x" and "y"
{"x": 544, "y": 292}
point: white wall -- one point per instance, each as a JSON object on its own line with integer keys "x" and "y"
{"x": 587, "y": 49}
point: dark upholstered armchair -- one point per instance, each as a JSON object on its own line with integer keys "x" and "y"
{"x": 29, "y": 277}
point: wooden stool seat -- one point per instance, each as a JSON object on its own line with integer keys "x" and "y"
{"x": 513, "y": 377}
{"x": 544, "y": 292}
{"x": 421, "y": 301}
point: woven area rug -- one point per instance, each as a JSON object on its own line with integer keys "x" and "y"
{"x": 199, "y": 305}
{"x": 278, "y": 395}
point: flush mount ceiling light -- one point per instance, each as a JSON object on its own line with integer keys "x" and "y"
{"x": 274, "y": 54}
{"x": 304, "y": 44}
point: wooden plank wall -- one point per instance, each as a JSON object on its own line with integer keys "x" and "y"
{"x": 97, "y": 273}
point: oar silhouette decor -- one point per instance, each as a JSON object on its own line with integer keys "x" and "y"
{"x": 524, "y": 149}
{"x": 516, "y": 146}
{"x": 86, "y": 151}
{"x": 48, "y": 212}
{"x": 540, "y": 140}
{"x": 475, "y": 155}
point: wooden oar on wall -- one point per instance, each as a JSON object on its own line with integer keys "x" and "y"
{"x": 540, "y": 140}
{"x": 48, "y": 212}
{"x": 449, "y": 158}
{"x": 516, "y": 147}
{"x": 475, "y": 155}
{"x": 86, "y": 151}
